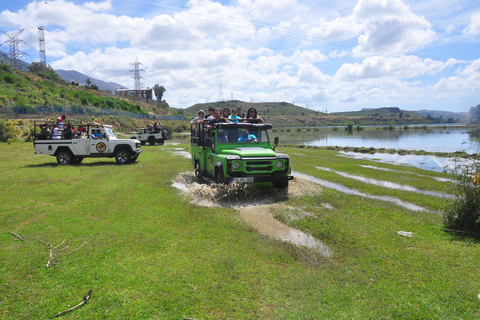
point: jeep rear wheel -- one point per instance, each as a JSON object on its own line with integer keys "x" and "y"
{"x": 151, "y": 141}
{"x": 64, "y": 157}
{"x": 123, "y": 156}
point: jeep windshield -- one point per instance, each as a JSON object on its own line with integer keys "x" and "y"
{"x": 241, "y": 135}
{"x": 109, "y": 132}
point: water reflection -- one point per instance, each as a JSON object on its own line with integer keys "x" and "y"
{"x": 430, "y": 140}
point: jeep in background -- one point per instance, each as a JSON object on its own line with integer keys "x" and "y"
{"x": 72, "y": 146}
{"x": 238, "y": 152}
{"x": 145, "y": 135}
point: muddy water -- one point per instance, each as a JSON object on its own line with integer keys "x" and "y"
{"x": 261, "y": 219}
{"x": 254, "y": 205}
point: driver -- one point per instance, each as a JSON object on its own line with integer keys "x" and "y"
{"x": 247, "y": 137}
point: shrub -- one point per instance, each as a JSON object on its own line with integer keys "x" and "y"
{"x": 463, "y": 213}
{"x": 349, "y": 126}
{"x": 9, "y": 78}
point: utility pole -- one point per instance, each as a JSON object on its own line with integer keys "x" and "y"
{"x": 136, "y": 76}
{"x": 41, "y": 47}
{"x": 14, "y": 42}
{"x": 220, "y": 93}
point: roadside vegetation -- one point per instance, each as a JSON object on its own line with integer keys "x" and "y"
{"x": 148, "y": 251}
{"x": 20, "y": 88}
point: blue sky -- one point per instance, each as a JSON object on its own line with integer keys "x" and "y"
{"x": 328, "y": 55}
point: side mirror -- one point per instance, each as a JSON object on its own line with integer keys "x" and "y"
{"x": 275, "y": 142}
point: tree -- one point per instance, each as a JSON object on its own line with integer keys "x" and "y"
{"x": 88, "y": 81}
{"x": 159, "y": 90}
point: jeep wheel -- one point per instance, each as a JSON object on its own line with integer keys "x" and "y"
{"x": 123, "y": 156}
{"x": 151, "y": 141}
{"x": 64, "y": 157}
{"x": 219, "y": 176}
{"x": 142, "y": 143}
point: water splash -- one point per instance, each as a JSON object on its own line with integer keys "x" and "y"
{"x": 254, "y": 204}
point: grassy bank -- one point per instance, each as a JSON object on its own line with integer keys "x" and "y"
{"x": 147, "y": 252}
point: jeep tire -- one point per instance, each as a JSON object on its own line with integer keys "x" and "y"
{"x": 219, "y": 176}
{"x": 64, "y": 157}
{"x": 123, "y": 156}
{"x": 151, "y": 140}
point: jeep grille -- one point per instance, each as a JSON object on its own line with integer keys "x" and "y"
{"x": 259, "y": 165}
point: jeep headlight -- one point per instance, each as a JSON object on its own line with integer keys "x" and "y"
{"x": 236, "y": 165}
{"x": 279, "y": 164}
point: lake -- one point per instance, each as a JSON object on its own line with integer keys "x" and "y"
{"x": 433, "y": 139}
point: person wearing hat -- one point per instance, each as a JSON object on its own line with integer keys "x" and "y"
{"x": 60, "y": 120}
{"x": 200, "y": 118}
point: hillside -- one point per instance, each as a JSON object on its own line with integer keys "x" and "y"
{"x": 31, "y": 89}
{"x": 284, "y": 114}
{"x": 72, "y": 75}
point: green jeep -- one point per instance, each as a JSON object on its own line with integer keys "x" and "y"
{"x": 238, "y": 152}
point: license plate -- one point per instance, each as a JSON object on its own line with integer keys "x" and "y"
{"x": 245, "y": 180}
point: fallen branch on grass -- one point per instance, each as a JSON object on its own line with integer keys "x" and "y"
{"x": 85, "y": 301}
{"x": 53, "y": 251}
{"x": 18, "y": 236}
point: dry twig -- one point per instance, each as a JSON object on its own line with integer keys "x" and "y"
{"x": 85, "y": 301}
{"x": 18, "y": 236}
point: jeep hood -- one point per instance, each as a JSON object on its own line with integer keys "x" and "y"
{"x": 250, "y": 152}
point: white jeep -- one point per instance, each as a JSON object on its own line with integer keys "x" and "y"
{"x": 93, "y": 140}
{"x": 152, "y": 137}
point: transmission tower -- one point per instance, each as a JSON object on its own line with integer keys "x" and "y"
{"x": 41, "y": 47}
{"x": 14, "y": 42}
{"x": 220, "y": 93}
{"x": 136, "y": 74}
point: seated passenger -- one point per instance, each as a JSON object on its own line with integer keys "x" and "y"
{"x": 97, "y": 134}
{"x": 247, "y": 137}
{"x": 217, "y": 118}
{"x": 234, "y": 116}
{"x": 57, "y": 132}
{"x": 45, "y": 132}
{"x": 252, "y": 116}
{"x": 226, "y": 113}
{"x": 200, "y": 118}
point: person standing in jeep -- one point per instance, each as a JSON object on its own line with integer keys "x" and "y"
{"x": 217, "y": 119}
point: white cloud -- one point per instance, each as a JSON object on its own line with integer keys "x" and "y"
{"x": 379, "y": 67}
{"x": 473, "y": 28}
{"x": 98, "y": 6}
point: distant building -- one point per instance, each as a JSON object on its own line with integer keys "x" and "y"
{"x": 130, "y": 93}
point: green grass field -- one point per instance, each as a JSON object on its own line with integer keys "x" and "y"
{"x": 147, "y": 251}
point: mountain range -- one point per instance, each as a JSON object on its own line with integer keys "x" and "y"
{"x": 72, "y": 75}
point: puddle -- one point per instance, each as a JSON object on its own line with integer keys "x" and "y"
{"x": 261, "y": 219}
{"x": 432, "y": 163}
{"x": 253, "y": 204}
{"x": 405, "y": 172}
{"x": 181, "y": 152}
{"x": 342, "y": 188}
{"x": 388, "y": 184}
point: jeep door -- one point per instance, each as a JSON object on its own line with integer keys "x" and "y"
{"x": 98, "y": 146}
